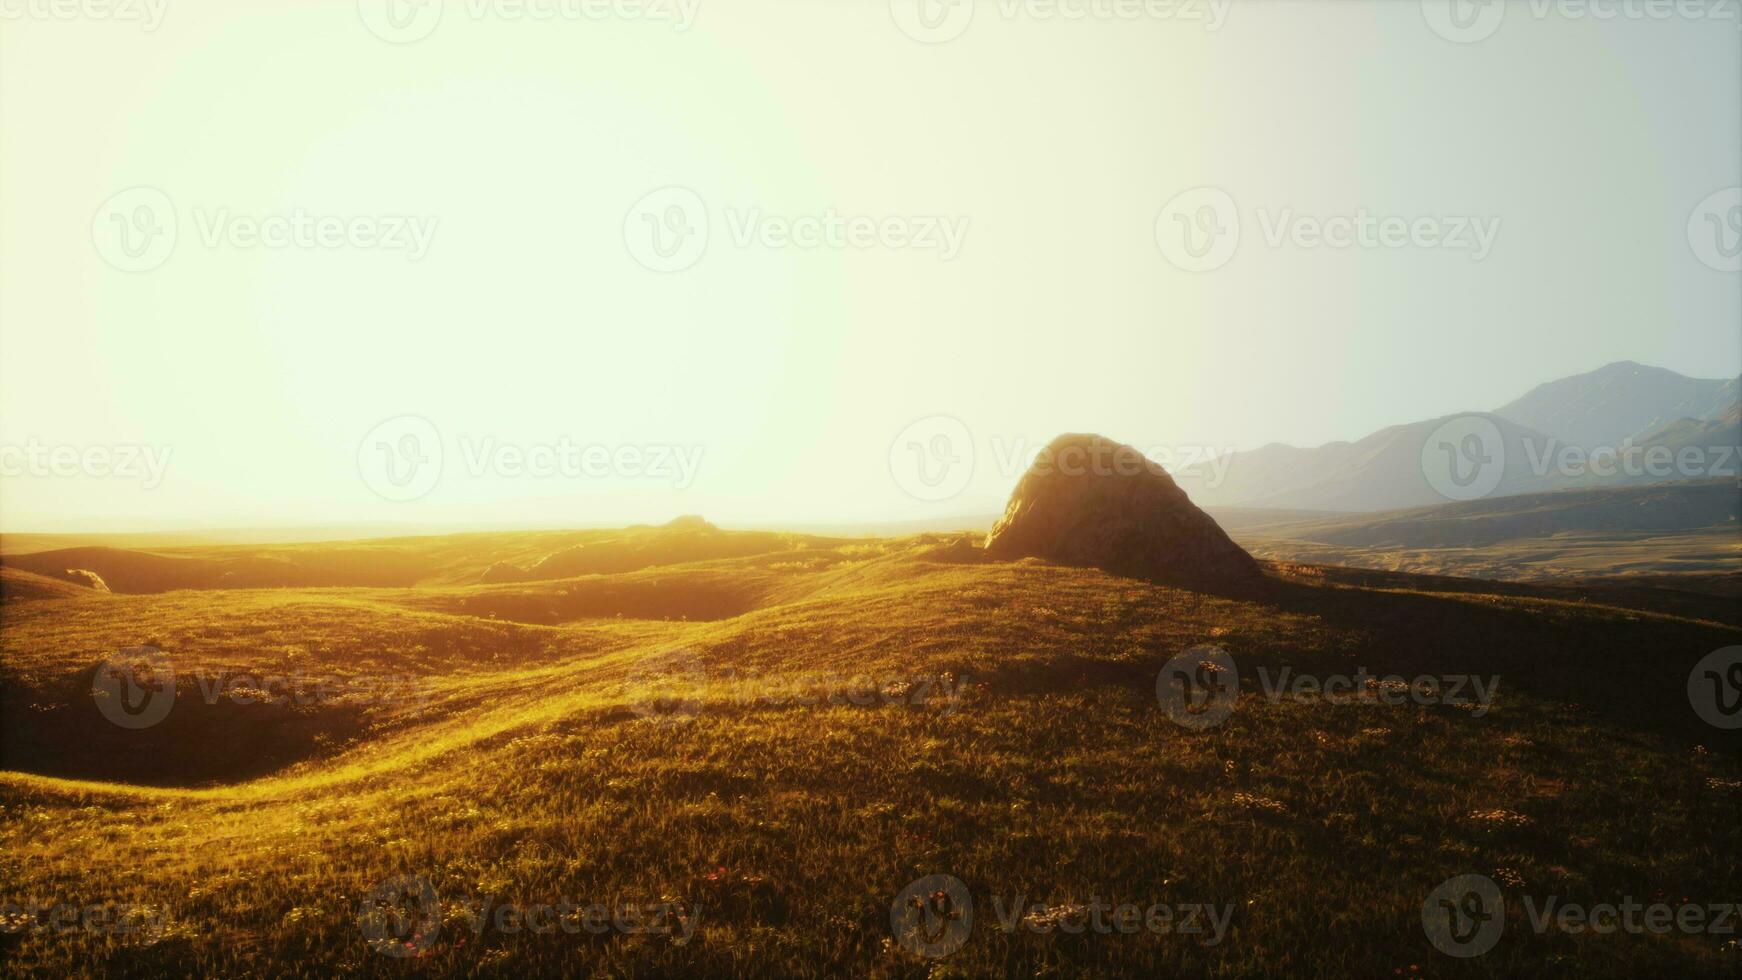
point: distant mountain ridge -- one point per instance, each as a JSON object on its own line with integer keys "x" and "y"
{"x": 1621, "y": 406}
{"x": 1380, "y": 472}
{"x": 1618, "y": 402}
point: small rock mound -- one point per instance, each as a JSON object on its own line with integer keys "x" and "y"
{"x": 689, "y": 522}
{"x": 503, "y": 571}
{"x": 960, "y": 549}
{"x": 86, "y": 578}
{"x": 1091, "y": 502}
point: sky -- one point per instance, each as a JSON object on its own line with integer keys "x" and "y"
{"x": 572, "y": 262}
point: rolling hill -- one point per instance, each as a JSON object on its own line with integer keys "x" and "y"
{"x": 494, "y": 557}
{"x": 771, "y": 747}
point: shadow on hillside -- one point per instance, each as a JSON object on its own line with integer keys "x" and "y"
{"x": 209, "y": 735}
{"x": 1594, "y": 649}
{"x": 674, "y": 597}
{"x": 1629, "y": 670}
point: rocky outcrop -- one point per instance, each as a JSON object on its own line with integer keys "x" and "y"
{"x": 85, "y": 577}
{"x": 1091, "y": 502}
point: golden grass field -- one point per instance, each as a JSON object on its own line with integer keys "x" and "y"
{"x": 713, "y": 754}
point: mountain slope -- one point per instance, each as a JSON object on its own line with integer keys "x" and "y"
{"x": 1617, "y": 406}
{"x": 1617, "y": 402}
{"x": 1384, "y": 471}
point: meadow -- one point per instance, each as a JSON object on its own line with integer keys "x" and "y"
{"x": 733, "y": 755}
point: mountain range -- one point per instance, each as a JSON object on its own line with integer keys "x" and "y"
{"x": 1669, "y": 426}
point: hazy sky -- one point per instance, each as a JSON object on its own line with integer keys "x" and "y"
{"x": 324, "y": 231}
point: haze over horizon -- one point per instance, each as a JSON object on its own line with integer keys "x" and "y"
{"x": 1013, "y": 278}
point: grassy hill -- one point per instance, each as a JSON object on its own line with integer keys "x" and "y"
{"x": 767, "y": 748}
{"x": 408, "y": 561}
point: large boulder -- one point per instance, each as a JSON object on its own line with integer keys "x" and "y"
{"x": 1092, "y": 502}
